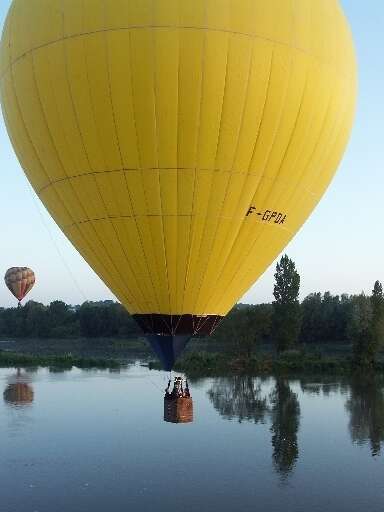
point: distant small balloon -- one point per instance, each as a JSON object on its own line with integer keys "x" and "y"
{"x": 19, "y": 281}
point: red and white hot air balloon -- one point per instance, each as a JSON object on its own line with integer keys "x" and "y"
{"x": 19, "y": 281}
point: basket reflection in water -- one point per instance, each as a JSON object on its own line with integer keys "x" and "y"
{"x": 178, "y": 410}
{"x": 178, "y": 404}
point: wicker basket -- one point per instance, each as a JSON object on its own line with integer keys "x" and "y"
{"x": 178, "y": 410}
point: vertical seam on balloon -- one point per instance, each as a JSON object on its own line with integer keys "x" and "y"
{"x": 88, "y": 250}
{"x": 154, "y": 288}
{"x": 267, "y": 90}
{"x": 128, "y": 292}
{"x": 316, "y": 144}
{"x": 263, "y": 229}
{"x": 126, "y": 289}
{"x": 290, "y": 138}
{"x": 338, "y": 121}
{"x": 305, "y": 167}
{"x": 96, "y": 258}
{"x": 340, "y": 133}
{"x": 12, "y": 83}
{"x": 90, "y": 166}
{"x": 2, "y": 87}
{"x": 246, "y": 92}
{"x": 192, "y": 224}
{"x": 202, "y": 275}
{"x": 154, "y": 63}
{"x": 121, "y": 159}
{"x": 178, "y": 261}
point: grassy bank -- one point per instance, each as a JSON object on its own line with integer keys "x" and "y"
{"x": 199, "y": 358}
{"x": 12, "y": 360}
{"x": 291, "y": 362}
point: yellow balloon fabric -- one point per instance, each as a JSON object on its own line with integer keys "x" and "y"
{"x": 178, "y": 144}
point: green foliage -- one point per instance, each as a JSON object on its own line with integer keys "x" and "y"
{"x": 59, "y": 320}
{"x": 286, "y": 306}
{"x": 10, "y": 359}
{"x": 325, "y": 318}
{"x": 377, "y": 303}
{"x": 244, "y": 328}
{"x": 367, "y": 326}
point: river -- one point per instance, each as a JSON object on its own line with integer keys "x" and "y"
{"x": 96, "y": 441}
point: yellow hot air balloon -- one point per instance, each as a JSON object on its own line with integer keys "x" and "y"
{"x": 179, "y": 145}
{"x": 19, "y": 281}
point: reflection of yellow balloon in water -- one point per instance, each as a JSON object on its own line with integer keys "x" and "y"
{"x": 179, "y": 145}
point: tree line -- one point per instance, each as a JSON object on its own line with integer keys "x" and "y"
{"x": 285, "y": 324}
{"x": 60, "y": 320}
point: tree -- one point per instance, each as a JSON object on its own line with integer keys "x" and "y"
{"x": 361, "y": 331}
{"x": 244, "y": 328}
{"x": 377, "y": 302}
{"x": 311, "y": 318}
{"x": 286, "y": 306}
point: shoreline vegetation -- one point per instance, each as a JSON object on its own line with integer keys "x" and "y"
{"x": 324, "y": 332}
{"x": 118, "y": 354}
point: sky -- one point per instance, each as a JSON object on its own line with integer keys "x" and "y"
{"x": 340, "y": 248}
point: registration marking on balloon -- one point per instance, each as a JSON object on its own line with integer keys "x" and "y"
{"x": 268, "y": 215}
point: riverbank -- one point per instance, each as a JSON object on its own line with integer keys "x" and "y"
{"x": 98, "y": 348}
{"x": 200, "y": 358}
{"x": 15, "y": 360}
{"x": 295, "y": 361}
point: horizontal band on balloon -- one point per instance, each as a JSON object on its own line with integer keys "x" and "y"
{"x": 97, "y": 173}
{"x": 14, "y": 57}
{"x": 170, "y": 325}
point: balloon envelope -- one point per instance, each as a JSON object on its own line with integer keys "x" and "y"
{"x": 179, "y": 145}
{"x": 19, "y": 281}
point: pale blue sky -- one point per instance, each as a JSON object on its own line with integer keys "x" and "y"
{"x": 340, "y": 248}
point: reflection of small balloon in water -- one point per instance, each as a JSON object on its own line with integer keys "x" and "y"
{"x": 178, "y": 404}
{"x": 19, "y": 392}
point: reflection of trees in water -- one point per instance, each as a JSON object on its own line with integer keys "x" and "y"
{"x": 239, "y": 397}
{"x": 242, "y": 398}
{"x": 366, "y": 409}
{"x": 285, "y": 414}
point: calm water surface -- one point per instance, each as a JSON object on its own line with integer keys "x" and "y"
{"x": 95, "y": 441}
